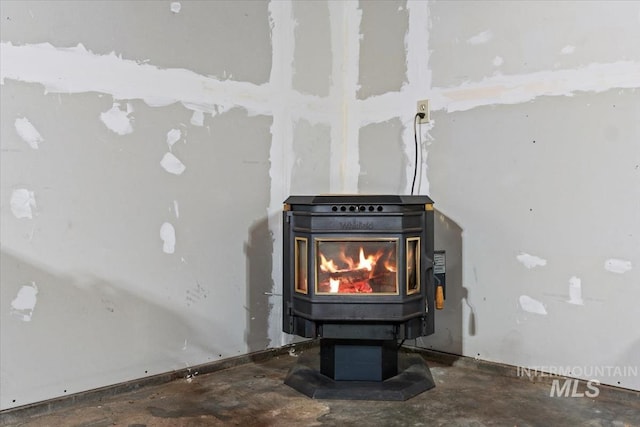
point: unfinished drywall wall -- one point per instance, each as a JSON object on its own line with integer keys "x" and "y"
{"x": 312, "y": 51}
{"x": 532, "y": 158}
{"x": 534, "y": 154}
{"x": 142, "y": 189}
{"x": 382, "y": 53}
{"x": 165, "y": 37}
{"x": 310, "y": 174}
{"x": 135, "y": 191}
{"x": 382, "y": 174}
{"x": 482, "y": 35}
{"x": 552, "y": 250}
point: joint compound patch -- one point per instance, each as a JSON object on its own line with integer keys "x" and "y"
{"x": 168, "y": 237}
{"x": 22, "y": 202}
{"x": 575, "y": 291}
{"x": 25, "y": 302}
{"x": 176, "y": 208}
{"x": 481, "y": 38}
{"x": 172, "y": 164}
{"x": 173, "y": 136}
{"x": 619, "y": 266}
{"x": 531, "y": 261}
{"x": 117, "y": 120}
{"x": 28, "y": 132}
{"x": 531, "y": 305}
{"x": 197, "y": 118}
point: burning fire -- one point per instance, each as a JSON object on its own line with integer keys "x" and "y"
{"x": 352, "y": 275}
{"x": 364, "y": 262}
{"x": 328, "y": 266}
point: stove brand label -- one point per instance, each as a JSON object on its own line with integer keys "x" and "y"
{"x": 356, "y": 225}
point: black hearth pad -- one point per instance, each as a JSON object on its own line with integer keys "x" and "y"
{"x": 413, "y": 379}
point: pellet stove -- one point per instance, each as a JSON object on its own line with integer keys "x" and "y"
{"x": 358, "y": 274}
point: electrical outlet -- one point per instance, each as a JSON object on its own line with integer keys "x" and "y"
{"x": 423, "y": 107}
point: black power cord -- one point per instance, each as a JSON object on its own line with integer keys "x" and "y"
{"x": 415, "y": 140}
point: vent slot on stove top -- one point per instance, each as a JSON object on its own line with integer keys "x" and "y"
{"x": 358, "y": 199}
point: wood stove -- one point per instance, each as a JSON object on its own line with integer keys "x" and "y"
{"x": 358, "y": 274}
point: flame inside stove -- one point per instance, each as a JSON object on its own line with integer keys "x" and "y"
{"x": 346, "y": 269}
{"x": 327, "y": 265}
{"x": 364, "y": 263}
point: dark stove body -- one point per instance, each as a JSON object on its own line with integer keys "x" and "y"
{"x": 358, "y": 273}
{"x": 405, "y": 313}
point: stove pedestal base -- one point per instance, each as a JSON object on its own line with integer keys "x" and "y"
{"x": 358, "y": 360}
{"x": 414, "y": 377}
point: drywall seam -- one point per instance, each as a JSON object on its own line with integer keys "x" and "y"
{"x": 345, "y": 18}
{"x": 418, "y": 86}
{"x": 518, "y": 89}
{"x": 382, "y": 108}
{"x": 77, "y": 70}
{"x": 336, "y": 151}
{"x": 503, "y": 89}
{"x": 281, "y": 151}
{"x": 417, "y": 45}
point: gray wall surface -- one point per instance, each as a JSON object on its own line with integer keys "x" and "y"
{"x": 146, "y": 149}
{"x": 535, "y": 156}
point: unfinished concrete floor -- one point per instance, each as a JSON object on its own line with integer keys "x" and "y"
{"x": 467, "y": 393}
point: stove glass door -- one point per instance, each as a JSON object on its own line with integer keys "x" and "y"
{"x": 366, "y": 266}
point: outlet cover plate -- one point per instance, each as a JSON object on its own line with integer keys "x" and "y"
{"x": 423, "y": 107}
